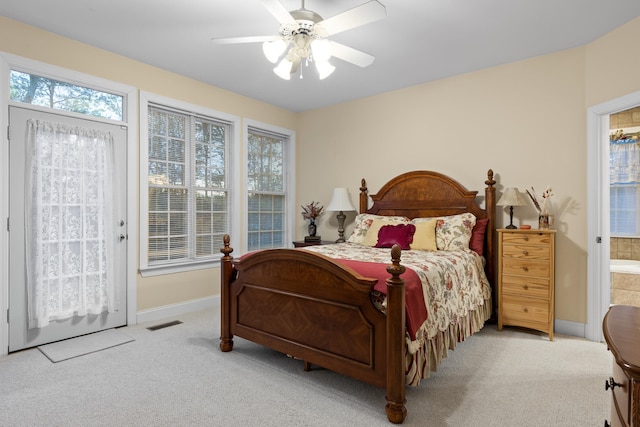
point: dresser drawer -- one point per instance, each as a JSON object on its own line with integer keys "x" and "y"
{"x": 526, "y": 252}
{"x": 526, "y": 238}
{"x": 529, "y": 287}
{"x": 620, "y": 404}
{"x": 520, "y": 267}
{"x": 527, "y": 312}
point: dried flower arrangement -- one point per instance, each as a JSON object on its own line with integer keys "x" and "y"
{"x": 312, "y": 211}
{"x": 543, "y": 208}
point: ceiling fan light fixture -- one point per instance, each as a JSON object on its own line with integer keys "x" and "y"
{"x": 283, "y": 70}
{"x": 325, "y": 69}
{"x": 321, "y": 50}
{"x": 274, "y": 49}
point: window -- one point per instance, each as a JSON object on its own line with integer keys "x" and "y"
{"x": 45, "y": 92}
{"x": 624, "y": 191}
{"x": 269, "y": 204}
{"x": 624, "y": 208}
{"x": 188, "y": 184}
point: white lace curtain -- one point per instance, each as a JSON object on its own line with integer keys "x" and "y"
{"x": 69, "y": 217}
{"x": 625, "y": 161}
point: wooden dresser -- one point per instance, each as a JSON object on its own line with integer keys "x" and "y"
{"x": 526, "y": 264}
{"x": 621, "y": 328}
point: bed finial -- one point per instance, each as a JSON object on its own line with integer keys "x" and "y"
{"x": 490, "y": 182}
{"x": 364, "y": 198}
{"x": 226, "y": 250}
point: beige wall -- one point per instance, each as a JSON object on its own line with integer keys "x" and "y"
{"x": 525, "y": 120}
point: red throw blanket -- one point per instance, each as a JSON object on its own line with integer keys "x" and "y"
{"x": 414, "y": 299}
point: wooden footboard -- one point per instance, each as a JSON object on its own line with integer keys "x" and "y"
{"x": 313, "y": 308}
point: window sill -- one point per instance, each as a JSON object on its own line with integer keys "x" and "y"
{"x": 160, "y": 270}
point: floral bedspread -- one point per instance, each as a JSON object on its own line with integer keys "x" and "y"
{"x": 453, "y": 282}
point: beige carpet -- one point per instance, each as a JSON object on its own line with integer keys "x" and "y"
{"x": 177, "y": 376}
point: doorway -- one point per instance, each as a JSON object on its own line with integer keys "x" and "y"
{"x": 80, "y": 235}
{"x": 598, "y": 233}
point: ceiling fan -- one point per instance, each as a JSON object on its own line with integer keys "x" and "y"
{"x": 302, "y": 37}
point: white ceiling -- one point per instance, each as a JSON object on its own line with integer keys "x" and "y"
{"x": 417, "y": 42}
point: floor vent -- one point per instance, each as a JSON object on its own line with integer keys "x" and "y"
{"x": 164, "y": 325}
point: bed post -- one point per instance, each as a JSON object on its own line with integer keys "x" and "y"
{"x": 226, "y": 271}
{"x": 364, "y": 198}
{"x": 396, "y": 326}
{"x": 492, "y": 250}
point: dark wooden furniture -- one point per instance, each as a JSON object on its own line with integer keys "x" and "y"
{"x": 526, "y": 264}
{"x": 274, "y": 297}
{"x": 302, "y": 243}
{"x": 621, "y": 328}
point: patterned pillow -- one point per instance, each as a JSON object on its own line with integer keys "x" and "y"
{"x": 453, "y": 232}
{"x": 364, "y": 221}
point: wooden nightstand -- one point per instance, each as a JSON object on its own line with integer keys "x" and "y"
{"x": 526, "y": 279}
{"x": 302, "y": 243}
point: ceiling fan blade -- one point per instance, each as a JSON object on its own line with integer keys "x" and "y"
{"x": 250, "y": 39}
{"x": 351, "y": 55}
{"x": 360, "y": 15}
{"x": 279, "y": 11}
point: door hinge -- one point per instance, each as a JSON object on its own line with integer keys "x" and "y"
{"x": 598, "y": 239}
{"x": 8, "y": 224}
{"x": 7, "y": 315}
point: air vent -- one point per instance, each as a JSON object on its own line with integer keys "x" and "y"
{"x": 164, "y": 325}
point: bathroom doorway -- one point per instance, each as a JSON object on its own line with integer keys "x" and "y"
{"x": 624, "y": 207}
{"x": 598, "y": 214}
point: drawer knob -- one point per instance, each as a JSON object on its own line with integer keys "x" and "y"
{"x": 525, "y": 253}
{"x": 525, "y": 238}
{"x": 611, "y": 384}
{"x": 525, "y": 268}
{"x": 525, "y": 287}
{"x": 525, "y": 309}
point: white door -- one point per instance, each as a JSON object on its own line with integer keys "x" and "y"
{"x": 21, "y": 335}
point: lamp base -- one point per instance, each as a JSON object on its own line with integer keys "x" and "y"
{"x": 511, "y": 227}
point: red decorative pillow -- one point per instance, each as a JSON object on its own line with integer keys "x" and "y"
{"x": 401, "y": 234}
{"x": 476, "y": 243}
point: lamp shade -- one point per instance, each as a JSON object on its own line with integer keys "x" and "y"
{"x": 512, "y": 197}
{"x": 340, "y": 201}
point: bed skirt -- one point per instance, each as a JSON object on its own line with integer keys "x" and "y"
{"x": 426, "y": 358}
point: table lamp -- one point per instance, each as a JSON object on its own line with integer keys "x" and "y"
{"x": 512, "y": 197}
{"x": 340, "y": 202}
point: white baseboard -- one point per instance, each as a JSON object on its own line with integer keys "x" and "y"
{"x": 567, "y": 327}
{"x": 159, "y": 313}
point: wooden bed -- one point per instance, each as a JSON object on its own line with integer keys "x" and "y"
{"x": 313, "y": 308}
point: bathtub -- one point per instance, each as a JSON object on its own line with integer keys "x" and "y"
{"x": 625, "y": 282}
{"x": 625, "y": 266}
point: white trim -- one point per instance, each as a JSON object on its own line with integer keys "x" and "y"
{"x": 4, "y": 206}
{"x": 566, "y": 327}
{"x": 598, "y": 277}
{"x": 9, "y": 61}
{"x": 173, "y": 310}
{"x": 290, "y": 171}
{"x": 234, "y": 153}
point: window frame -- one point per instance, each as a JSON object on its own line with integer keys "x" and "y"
{"x": 289, "y": 180}
{"x": 147, "y": 98}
